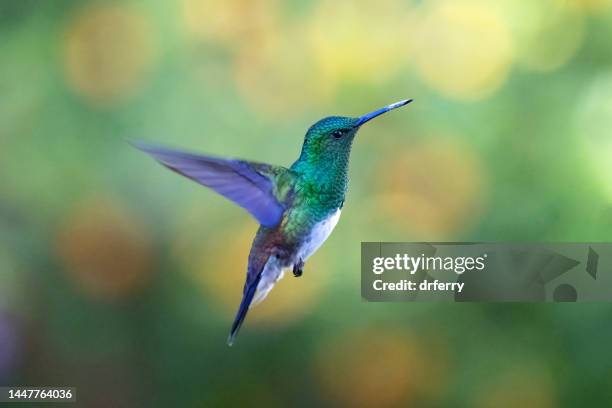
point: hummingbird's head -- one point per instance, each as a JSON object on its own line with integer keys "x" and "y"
{"x": 331, "y": 138}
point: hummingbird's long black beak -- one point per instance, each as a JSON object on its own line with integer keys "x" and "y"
{"x": 369, "y": 116}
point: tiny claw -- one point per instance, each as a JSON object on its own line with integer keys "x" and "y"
{"x": 298, "y": 268}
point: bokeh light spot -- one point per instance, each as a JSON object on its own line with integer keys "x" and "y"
{"x": 379, "y": 367}
{"x": 593, "y": 6}
{"x": 525, "y": 386}
{"x": 547, "y": 32}
{"x": 10, "y": 346}
{"x": 435, "y": 188}
{"x": 10, "y": 281}
{"x": 593, "y": 121}
{"x": 235, "y": 23}
{"x": 108, "y": 51}
{"x": 276, "y": 80}
{"x": 346, "y": 50}
{"x": 463, "y": 49}
{"x": 105, "y": 249}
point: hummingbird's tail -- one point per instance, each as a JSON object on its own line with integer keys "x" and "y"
{"x": 247, "y": 298}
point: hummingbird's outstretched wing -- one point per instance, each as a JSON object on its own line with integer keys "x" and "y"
{"x": 248, "y": 184}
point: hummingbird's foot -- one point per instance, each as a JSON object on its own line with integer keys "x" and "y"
{"x": 298, "y": 268}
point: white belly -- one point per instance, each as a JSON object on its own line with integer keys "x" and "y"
{"x": 320, "y": 232}
{"x": 273, "y": 270}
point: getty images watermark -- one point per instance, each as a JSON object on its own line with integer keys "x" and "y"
{"x": 412, "y": 264}
{"x": 486, "y": 272}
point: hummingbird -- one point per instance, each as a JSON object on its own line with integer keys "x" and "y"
{"x": 297, "y": 207}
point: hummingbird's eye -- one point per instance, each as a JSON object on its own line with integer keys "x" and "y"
{"x": 338, "y": 134}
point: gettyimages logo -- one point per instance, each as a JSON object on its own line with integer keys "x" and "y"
{"x": 486, "y": 272}
{"x": 412, "y": 264}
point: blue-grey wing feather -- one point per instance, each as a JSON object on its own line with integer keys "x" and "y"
{"x": 237, "y": 180}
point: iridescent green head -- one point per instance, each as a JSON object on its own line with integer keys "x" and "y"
{"x": 330, "y": 139}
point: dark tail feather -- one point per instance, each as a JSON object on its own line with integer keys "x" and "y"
{"x": 247, "y": 298}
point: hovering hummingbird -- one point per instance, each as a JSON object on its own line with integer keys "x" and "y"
{"x": 297, "y": 207}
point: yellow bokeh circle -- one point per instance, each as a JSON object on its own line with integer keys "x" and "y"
{"x": 379, "y": 367}
{"x": 463, "y": 49}
{"x": 235, "y": 23}
{"x": 435, "y": 188}
{"x": 547, "y": 32}
{"x": 278, "y": 76}
{"x": 108, "y": 50}
{"x": 106, "y": 251}
{"x": 363, "y": 41}
{"x": 593, "y": 6}
{"x": 535, "y": 383}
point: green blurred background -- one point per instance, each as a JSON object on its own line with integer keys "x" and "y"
{"x": 121, "y": 278}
